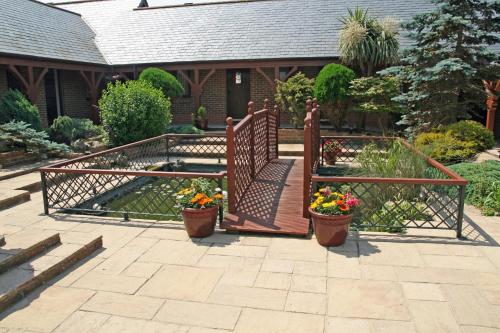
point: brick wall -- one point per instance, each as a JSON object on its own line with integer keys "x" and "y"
{"x": 75, "y": 100}
{"x": 182, "y": 107}
{"x": 41, "y": 104}
{"x": 214, "y": 97}
{"x": 260, "y": 89}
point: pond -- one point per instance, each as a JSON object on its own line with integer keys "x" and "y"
{"x": 151, "y": 198}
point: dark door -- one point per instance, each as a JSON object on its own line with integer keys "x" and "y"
{"x": 238, "y": 92}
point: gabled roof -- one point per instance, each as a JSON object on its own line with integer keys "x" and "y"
{"x": 30, "y": 28}
{"x": 246, "y": 30}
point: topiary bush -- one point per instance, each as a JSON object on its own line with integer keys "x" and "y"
{"x": 66, "y": 130}
{"x": 162, "y": 80}
{"x": 469, "y": 130}
{"x": 445, "y": 148}
{"x": 134, "y": 111}
{"x": 15, "y": 107}
{"x": 332, "y": 87}
{"x": 483, "y": 190}
{"x": 292, "y": 96}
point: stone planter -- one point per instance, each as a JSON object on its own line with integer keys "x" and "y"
{"x": 330, "y": 230}
{"x": 200, "y": 223}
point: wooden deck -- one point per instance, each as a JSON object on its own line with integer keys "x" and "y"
{"x": 273, "y": 202}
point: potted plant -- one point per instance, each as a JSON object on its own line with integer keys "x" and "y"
{"x": 331, "y": 214}
{"x": 331, "y": 150}
{"x": 200, "y": 204}
{"x": 200, "y": 118}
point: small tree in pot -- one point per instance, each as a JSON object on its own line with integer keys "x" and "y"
{"x": 200, "y": 203}
{"x": 331, "y": 214}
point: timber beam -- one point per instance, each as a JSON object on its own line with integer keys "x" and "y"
{"x": 93, "y": 80}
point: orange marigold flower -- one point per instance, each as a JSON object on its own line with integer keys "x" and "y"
{"x": 340, "y": 202}
{"x": 218, "y": 196}
{"x": 205, "y": 201}
{"x": 344, "y": 208}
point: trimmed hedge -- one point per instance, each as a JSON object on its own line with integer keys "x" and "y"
{"x": 134, "y": 111}
{"x": 162, "y": 80}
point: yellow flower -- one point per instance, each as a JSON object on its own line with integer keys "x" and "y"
{"x": 320, "y": 200}
{"x": 328, "y": 204}
{"x": 317, "y": 194}
{"x": 314, "y": 205}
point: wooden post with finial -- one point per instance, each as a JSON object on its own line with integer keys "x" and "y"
{"x": 231, "y": 166}
{"x": 252, "y": 138}
{"x": 276, "y": 134}
{"x": 307, "y": 160}
{"x": 268, "y": 128}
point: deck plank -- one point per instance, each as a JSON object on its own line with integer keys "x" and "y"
{"x": 273, "y": 202}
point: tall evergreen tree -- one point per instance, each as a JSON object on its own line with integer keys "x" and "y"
{"x": 451, "y": 54}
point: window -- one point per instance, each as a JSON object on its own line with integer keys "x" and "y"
{"x": 284, "y": 72}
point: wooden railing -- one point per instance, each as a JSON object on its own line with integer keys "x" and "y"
{"x": 311, "y": 150}
{"x": 251, "y": 144}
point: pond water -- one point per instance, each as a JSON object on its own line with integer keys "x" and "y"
{"x": 151, "y": 198}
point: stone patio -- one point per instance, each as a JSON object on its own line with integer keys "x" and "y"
{"x": 151, "y": 277}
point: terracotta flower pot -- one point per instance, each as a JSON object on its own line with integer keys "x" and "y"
{"x": 200, "y": 223}
{"x": 330, "y": 157}
{"x": 330, "y": 230}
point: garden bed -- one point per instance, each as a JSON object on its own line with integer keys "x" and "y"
{"x": 138, "y": 180}
{"x": 393, "y": 199}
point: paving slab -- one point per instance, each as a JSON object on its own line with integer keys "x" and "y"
{"x": 44, "y": 310}
{"x": 182, "y": 283}
{"x": 199, "y": 314}
{"x": 264, "y": 321}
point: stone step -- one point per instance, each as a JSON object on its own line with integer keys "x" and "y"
{"x": 9, "y": 198}
{"x": 29, "y": 253}
{"x": 19, "y": 281}
{"x": 23, "y": 169}
{"x": 30, "y": 182}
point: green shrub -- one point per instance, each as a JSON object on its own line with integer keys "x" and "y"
{"x": 15, "y": 107}
{"x": 292, "y": 96}
{"x": 469, "y": 130}
{"x": 20, "y": 135}
{"x": 445, "y": 148}
{"x": 67, "y": 130}
{"x": 332, "y": 88}
{"x": 134, "y": 111}
{"x": 162, "y": 80}
{"x": 483, "y": 190}
{"x": 185, "y": 129}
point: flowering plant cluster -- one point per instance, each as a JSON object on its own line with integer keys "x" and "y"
{"x": 328, "y": 202}
{"x": 332, "y": 146}
{"x": 201, "y": 194}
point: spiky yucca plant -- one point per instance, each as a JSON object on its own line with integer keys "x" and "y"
{"x": 367, "y": 42}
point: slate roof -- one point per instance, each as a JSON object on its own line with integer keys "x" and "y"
{"x": 273, "y": 29}
{"x": 246, "y": 30}
{"x": 30, "y": 28}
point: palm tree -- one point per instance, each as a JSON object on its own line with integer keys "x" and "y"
{"x": 367, "y": 42}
